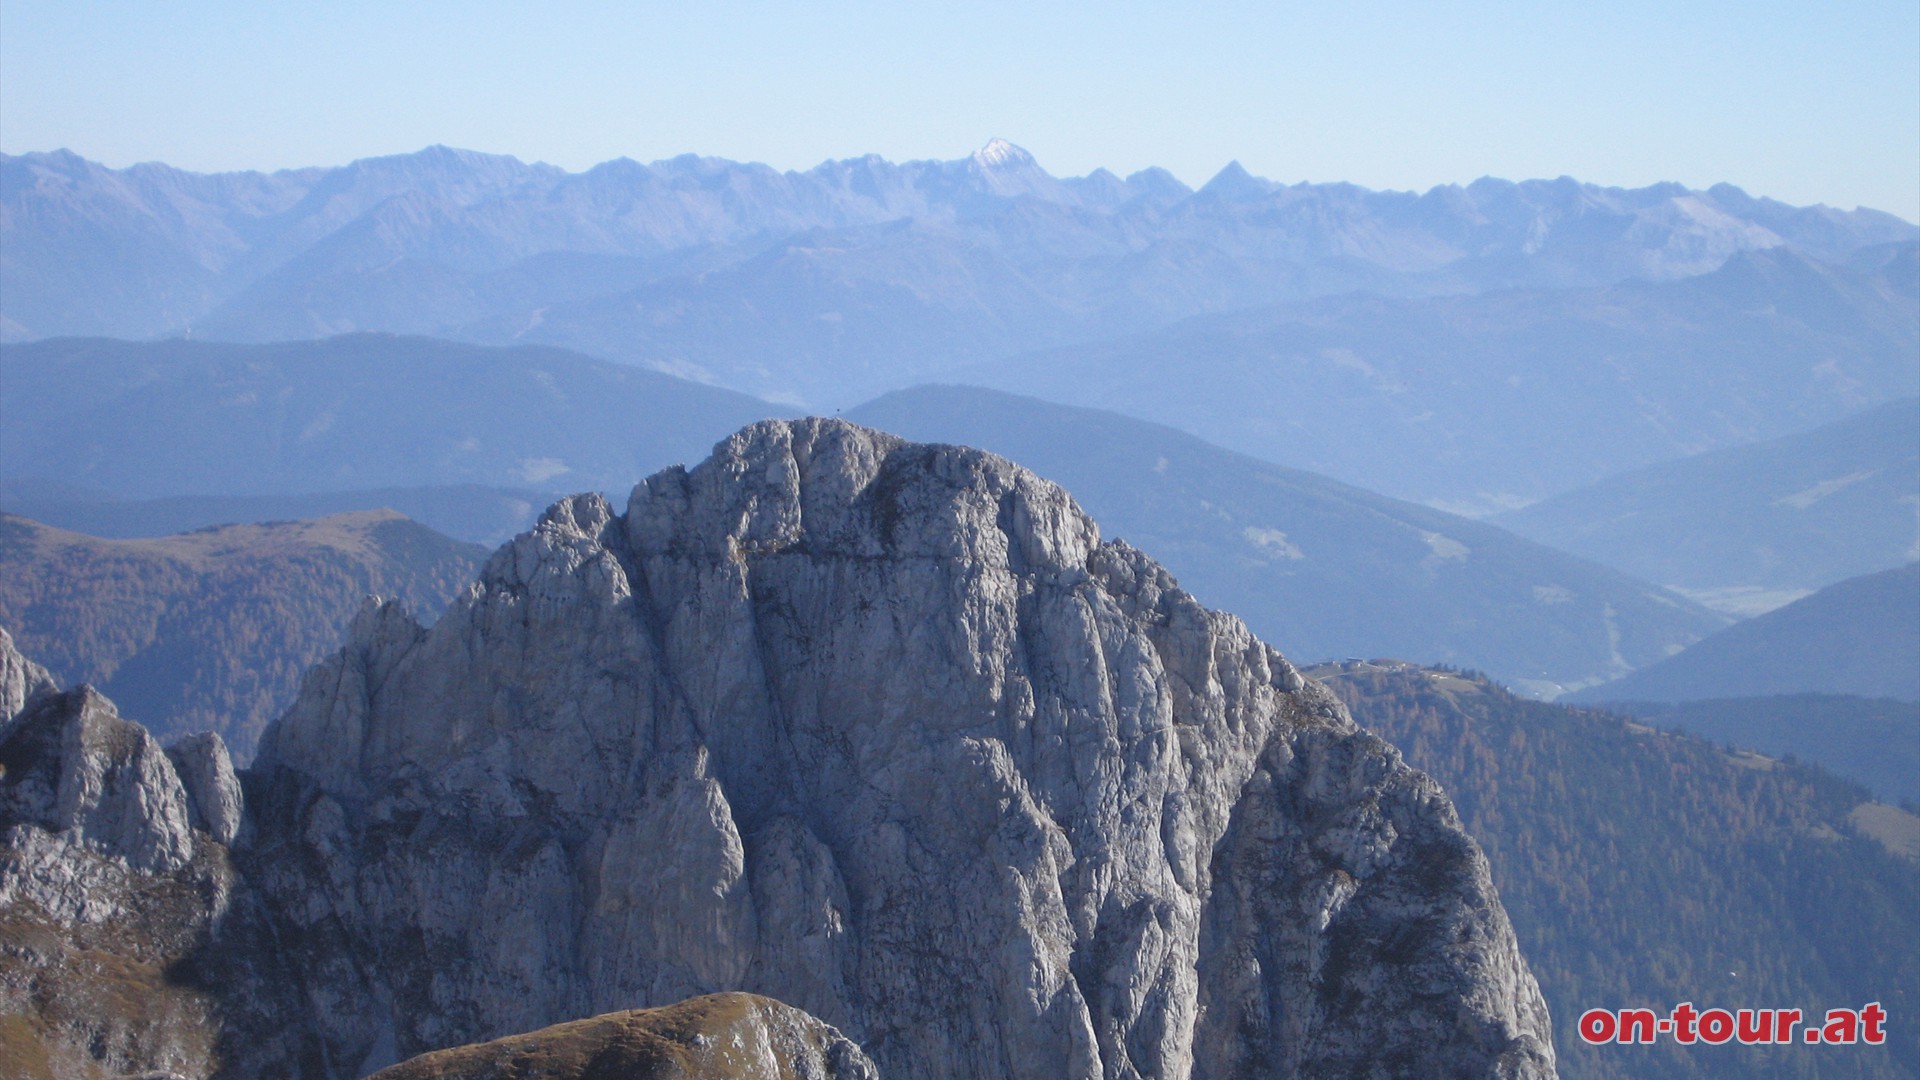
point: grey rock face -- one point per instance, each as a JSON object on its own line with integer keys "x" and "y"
{"x": 76, "y": 770}
{"x": 213, "y": 788}
{"x": 22, "y": 682}
{"x": 887, "y": 732}
{"x": 107, "y": 893}
{"x": 75, "y": 775}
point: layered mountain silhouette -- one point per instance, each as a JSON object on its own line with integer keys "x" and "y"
{"x": 1324, "y": 569}
{"x": 1481, "y": 402}
{"x": 892, "y": 731}
{"x": 356, "y": 412}
{"x": 1859, "y": 636}
{"x": 1794, "y": 513}
{"x": 1474, "y": 347}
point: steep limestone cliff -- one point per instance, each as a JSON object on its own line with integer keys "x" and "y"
{"x": 887, "y": 732}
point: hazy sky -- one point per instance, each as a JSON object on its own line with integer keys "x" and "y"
{"x": 1801, "y": 101}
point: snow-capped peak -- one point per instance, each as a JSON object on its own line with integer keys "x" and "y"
{"x": 999, "y": 153}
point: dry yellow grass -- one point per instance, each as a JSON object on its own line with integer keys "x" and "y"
{"x": 704, "y": 1038}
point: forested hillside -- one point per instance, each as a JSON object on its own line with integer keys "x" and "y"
{"x": 213, "y": 630}
{"x": 1874, "y": 741}
{"x": 1644, "y": 869}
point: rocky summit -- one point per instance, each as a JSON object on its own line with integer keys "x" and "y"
{"x": 880, "y": 730}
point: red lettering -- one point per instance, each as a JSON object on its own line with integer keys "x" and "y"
{"x": 1683, "y": 1016}
{"x": 1872, "y": 1018}
{"x": 1636, "y": 1025}
{"x": 1716, "y": 1026}
{"x": 1753, "y": 1027}
{"x": 1597, "y": 1025}
{"x": 1842, "y": 1027}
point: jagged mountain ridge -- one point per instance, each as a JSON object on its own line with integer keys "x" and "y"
{"x": 131, "y": 943}
{"x": 114, "y": 868}
{"x": 1484, "y": 740}
{"x": 859, "y": 261}
{"x": 666, "y": 762}
{"x": 915, "y": 751}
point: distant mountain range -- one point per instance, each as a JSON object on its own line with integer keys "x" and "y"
{"x": 1321, "y": 568}
{"x": 774, "y": 663}
{"x": 1860, "y": 636}
{"x": 446, "y": 239}
{"x": 1793, "y": 513}
{"x": 1472, "y": 347}
{"x": 213, "y": 630}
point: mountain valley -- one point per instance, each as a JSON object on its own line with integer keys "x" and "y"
{"x": 1778, "y": 517}
{"x": 1487, "y": 401}
{"x": 1853, "y": 637}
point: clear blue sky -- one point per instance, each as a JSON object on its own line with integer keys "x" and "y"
{"x": 1801, "y": 101}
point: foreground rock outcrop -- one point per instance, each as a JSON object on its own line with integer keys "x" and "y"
{"x": 715, "y": 1037}
{"x": 884, "y": 731}
{"x": 109, "y": 882}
